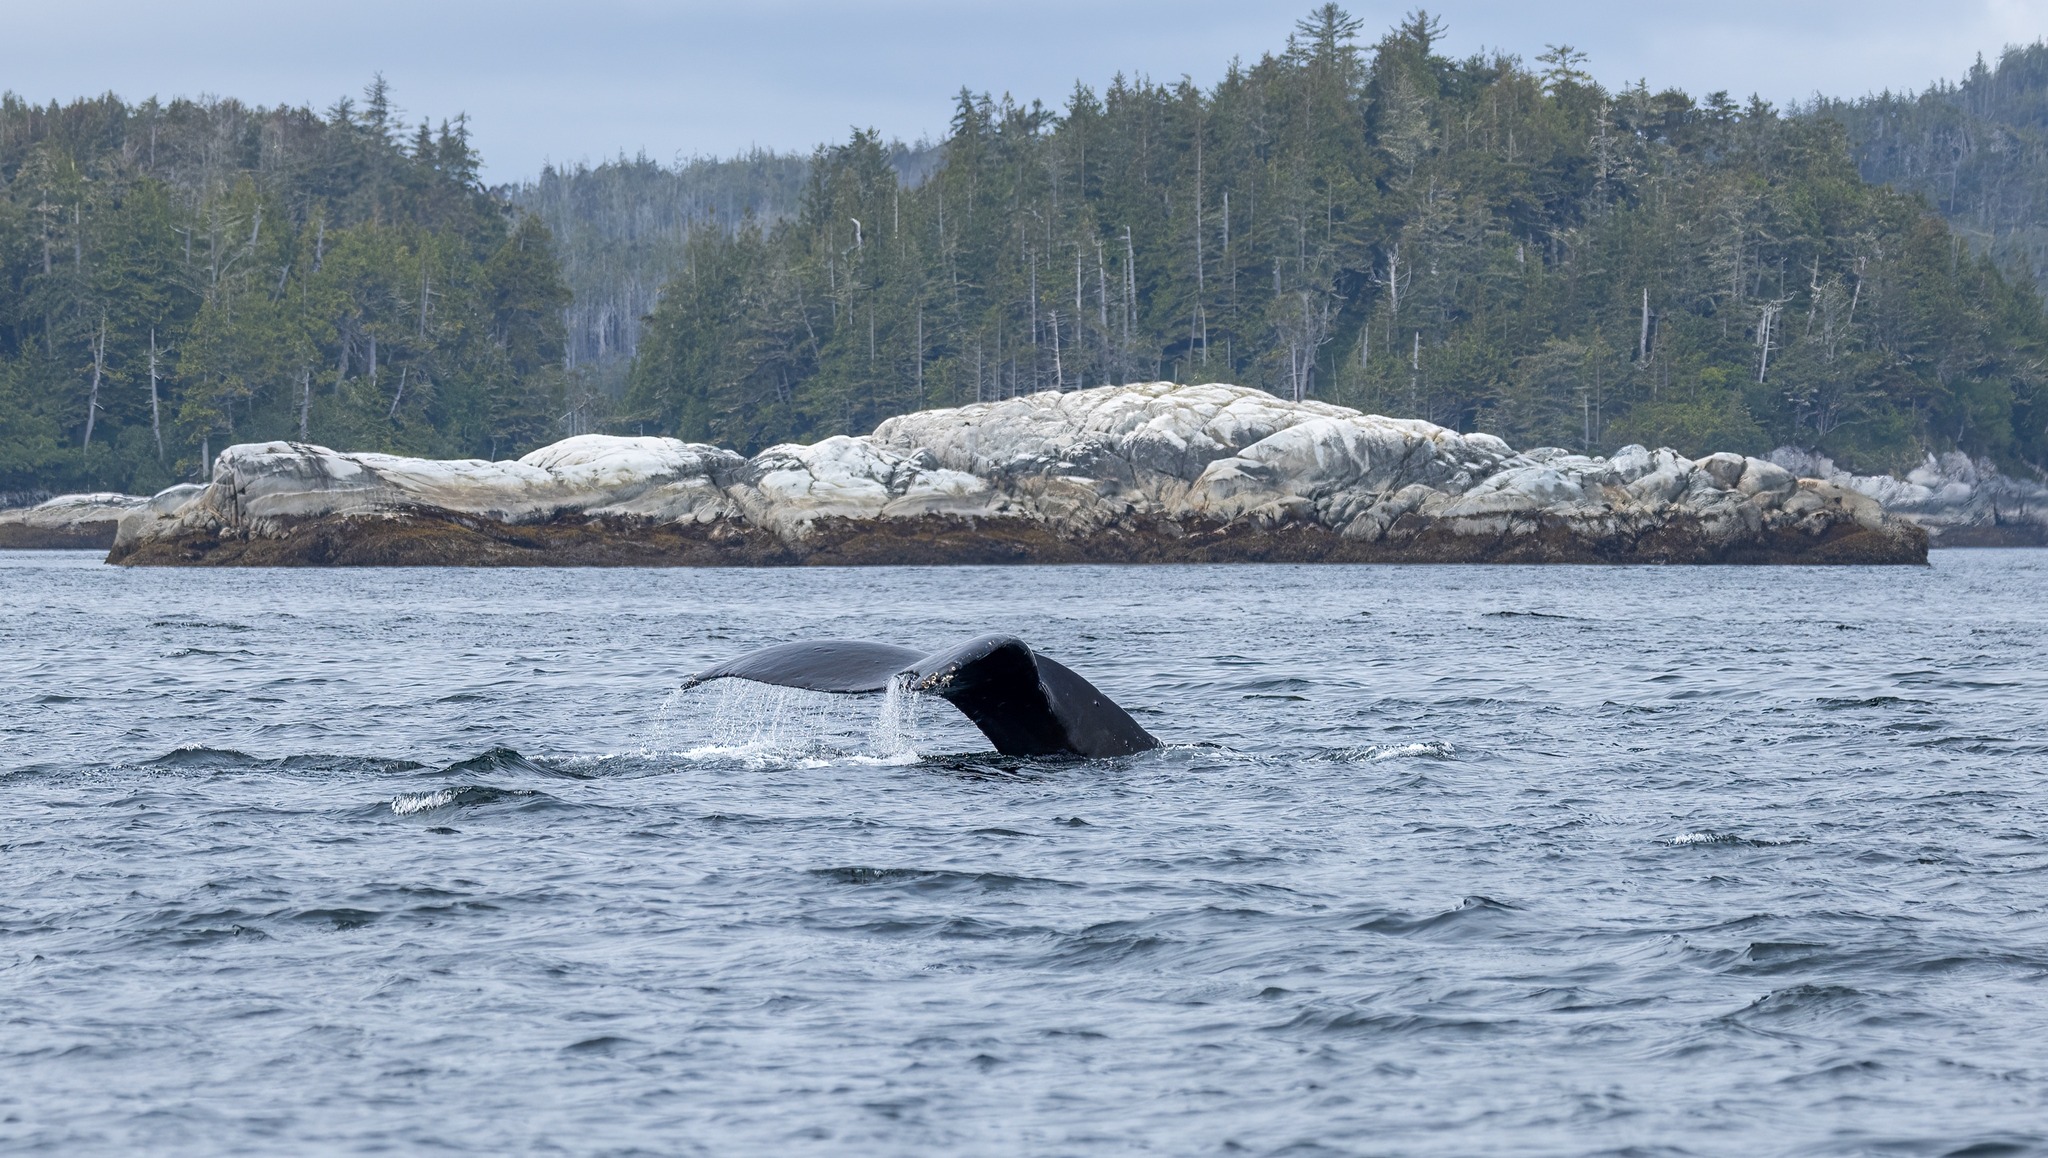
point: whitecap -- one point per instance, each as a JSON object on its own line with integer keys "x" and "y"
{"x": 1706, "y": 836}
{"x": 408, "y": 804}
{"x": 1432, "y": 749}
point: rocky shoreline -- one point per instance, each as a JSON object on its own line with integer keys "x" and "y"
{"x": 68, "y": 522}
{"x": 1957, "y": 500}
{"x": 1133, "y": 474}
{"x": 433, "y": 539}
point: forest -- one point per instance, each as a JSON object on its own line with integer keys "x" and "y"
{"x": 1977, "y": 150}
{"x": 1482, "y": 242}
{"x": 620, "y": 230}
{"x": 1476, "y": 242}
{"x": 175, "y": 277}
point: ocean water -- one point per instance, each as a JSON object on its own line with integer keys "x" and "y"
{"x": 1436, "y": 861}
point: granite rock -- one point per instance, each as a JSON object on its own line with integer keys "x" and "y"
{"x": 1959, "y": 501}
{"x": 68, "y": 521}
{"x": 1152, "y": 472}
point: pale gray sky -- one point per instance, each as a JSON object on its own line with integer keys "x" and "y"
{"x": 551, "y": 80}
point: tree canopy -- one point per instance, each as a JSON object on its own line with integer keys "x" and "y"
{"x": 176, "y": 276}
{"x": 1477, "y": 242}
{"x": 1976, "y": 149}
{"x": 1482, "y": 242}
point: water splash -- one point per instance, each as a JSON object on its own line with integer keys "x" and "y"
{"x": 406, "y": 804}
{"x": 895, "y": 733}
{"x": 765, "y": 716}
{"x": 764, "y": 722}
{"x": 462, "y": 795}
{"x": 1422, "y": 750}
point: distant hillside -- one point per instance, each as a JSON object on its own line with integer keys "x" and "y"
{"x": 620, "y": 227}
{"x": 1977, "y": 150}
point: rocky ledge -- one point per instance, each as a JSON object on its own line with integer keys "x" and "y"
{"x": 1957, "y": 500}
{"x": 1143, "y": 473}
{"x": 70, "y": 521}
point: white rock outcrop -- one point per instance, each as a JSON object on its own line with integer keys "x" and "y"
{"x": 1147, "y": 471}
{"x": 84, "y": 520}
{"x": 1958, "y": 500}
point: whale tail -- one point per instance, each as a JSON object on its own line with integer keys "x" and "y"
{"x": 1025, "y": 703}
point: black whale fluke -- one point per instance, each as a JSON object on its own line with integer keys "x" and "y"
{"x": 1027, "y": 704}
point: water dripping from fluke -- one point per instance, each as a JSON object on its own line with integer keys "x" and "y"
{"x": 759, "y": 725}
{"x": 894, "y": 736}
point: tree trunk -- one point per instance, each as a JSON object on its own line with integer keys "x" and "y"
{"x": 99, "y": 360}
{"x": 156, "y": 427}
{"x": 1059, "y": 374}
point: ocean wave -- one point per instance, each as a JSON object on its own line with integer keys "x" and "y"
{"x": 1473, "y": 914}
{"x": 507, "y": 760}
{"x": 202, "y": 757}
{"x": 466, "y": 796}
{"x": 933, "y": 880}
{"x": 1709, "y": 837}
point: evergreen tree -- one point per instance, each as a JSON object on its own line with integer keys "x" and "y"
{"x": 177, "y": 276}
{"x": 1473, "y": 242}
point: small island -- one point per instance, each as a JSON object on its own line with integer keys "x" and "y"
{"x": 1146, "y": 473}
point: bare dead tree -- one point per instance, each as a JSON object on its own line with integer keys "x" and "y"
{"x": 99, "y": 362}
{"x": 1392, "y": 282}
{"x": 156, "y": 426}
{"x": 1766, "y": 335}
{"x": 1059, "y": 374}
{"x": 1130, "y": 292}
{"x": 1415, "y": 372}
{"x": 1080, "y": 376}
{"x": 1201, "y": 318}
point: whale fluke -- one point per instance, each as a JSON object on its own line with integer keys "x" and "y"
{"x": 841, "y": 666}
{"x": 1025, "y": 703}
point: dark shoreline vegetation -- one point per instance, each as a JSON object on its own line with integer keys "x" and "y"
{"x": 1481, "y": 243}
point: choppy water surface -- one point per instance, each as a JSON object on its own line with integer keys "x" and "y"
{"x": 1440, "y": 861}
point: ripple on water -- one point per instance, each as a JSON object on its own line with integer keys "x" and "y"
{"x": 1441, "y": 861}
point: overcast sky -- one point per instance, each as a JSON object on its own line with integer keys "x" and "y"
{"x": 562, "y": 81}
